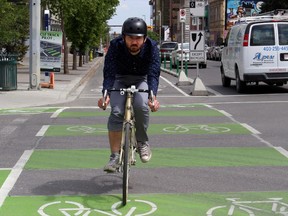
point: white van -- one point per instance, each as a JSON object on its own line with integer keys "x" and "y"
{"x": 256, "y": 50}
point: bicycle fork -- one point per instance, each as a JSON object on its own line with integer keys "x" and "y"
{"x": 132, "y": 147}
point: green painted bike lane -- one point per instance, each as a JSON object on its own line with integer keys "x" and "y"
{"x": 196, "y": 204}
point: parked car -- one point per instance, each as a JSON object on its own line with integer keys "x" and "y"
{"x": 166, "y": 48}
{"x": 256, "y": 50}
{"x": 177, "y": 55}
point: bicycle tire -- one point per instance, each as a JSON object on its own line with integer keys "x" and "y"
{"x": 126, "y": 164}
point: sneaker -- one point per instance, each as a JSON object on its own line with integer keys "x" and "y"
{"x": 144, "y": 151}
{"x": 112, "y": 165}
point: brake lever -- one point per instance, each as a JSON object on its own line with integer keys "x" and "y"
{"x": 104, "y": 99}
{"x": 152, "y": 98}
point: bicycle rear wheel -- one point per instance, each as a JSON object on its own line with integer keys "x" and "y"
{"x": 126, "y": 165}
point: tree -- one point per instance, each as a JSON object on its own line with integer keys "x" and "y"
{"x": 14, "y": 27}
{"x": 89, "y": 23}
{"x": 81, "y": 20}
{"x": 153, "y": 35}
{"x": 270, "y": 5}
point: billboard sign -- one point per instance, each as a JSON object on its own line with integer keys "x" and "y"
{"x": 241, "y": 8}
{"x": 50, "y": 47}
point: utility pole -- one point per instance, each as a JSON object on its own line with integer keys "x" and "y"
{"x": 34, "y": 55}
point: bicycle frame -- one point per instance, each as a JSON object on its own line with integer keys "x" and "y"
{"x": 130, "y": 121}
{"x": 128, "y": 140}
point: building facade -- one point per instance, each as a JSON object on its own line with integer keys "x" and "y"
{"x": 165, "y": 14}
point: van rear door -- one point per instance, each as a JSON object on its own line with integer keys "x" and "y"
{"x": 282, "y": 28}
{"x": 262, "y": 53}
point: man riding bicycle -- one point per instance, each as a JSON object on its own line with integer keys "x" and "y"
{"x": 132, "y": 59}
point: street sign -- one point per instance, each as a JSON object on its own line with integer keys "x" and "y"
{"x": 197, "y": 56}
{"x": 197, "y": 40}
{"x": 197, "y": 8}
{"x": 197, "y": 46}
{"x": 182, "y": 15}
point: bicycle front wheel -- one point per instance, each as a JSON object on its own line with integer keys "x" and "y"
{"x": 126, "y": 165}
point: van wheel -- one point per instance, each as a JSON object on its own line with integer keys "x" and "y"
{"x": 226, "y": 82}
{"x": 240, "y": 85}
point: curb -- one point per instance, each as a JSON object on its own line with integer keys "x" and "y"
{"x": 77, "y": 85}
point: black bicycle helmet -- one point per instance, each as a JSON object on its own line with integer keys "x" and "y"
{"x": 134, "y": 26}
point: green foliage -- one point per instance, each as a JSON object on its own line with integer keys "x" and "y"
{"x": 14, "y": 27}
{"x": 153, "y": 35}
{"x": 85, "y": 21}
{"x": 270, "y": 5}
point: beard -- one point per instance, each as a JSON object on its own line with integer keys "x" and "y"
{"x": 134, "y": 49}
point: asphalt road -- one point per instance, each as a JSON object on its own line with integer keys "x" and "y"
{"x": 222, "y": 154}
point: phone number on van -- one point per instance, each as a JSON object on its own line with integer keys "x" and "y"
{"x": 276, "y": 48}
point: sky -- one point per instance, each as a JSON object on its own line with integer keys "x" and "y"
{"x": 130, "y": 8}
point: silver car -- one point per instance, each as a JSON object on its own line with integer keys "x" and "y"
{"x": 166, "y": 48}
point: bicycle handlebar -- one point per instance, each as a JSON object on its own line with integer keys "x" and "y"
{"x": 132, "y": 90}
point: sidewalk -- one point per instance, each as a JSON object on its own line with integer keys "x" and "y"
{"x": 65, "y": 84}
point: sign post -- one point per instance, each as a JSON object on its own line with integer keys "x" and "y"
{"x": 197, "y": 45}
{"x": 183, "y": 80}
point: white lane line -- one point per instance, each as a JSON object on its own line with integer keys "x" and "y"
{"x": 14, "y": 175}
{"x": 178, "y": 89}
{"x": 57, "y": 112}
{"x": 225, "y": 113}
{"x": 250, "y": 128}
{"x": 282, "y": 151}
{"x": 19, "y": 120}
{"x": 43, "y": 130}
{"x": 6, "y": 131}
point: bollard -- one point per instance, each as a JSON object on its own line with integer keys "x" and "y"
{"x": 186, "y": 65}
{"x": 165, "y": 60}
{"x": 177, "y": 62}
{"x": 91, "y": 55}
{"x": 52, "y": 81}
{"x": 170, "y": 61}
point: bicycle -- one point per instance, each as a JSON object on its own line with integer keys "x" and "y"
{"x": 128, "y": 142}
{"x": 251, "y": 208}
{"x": 206, "y": 128}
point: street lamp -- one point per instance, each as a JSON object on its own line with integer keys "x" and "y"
{"x": 160, "y": 26}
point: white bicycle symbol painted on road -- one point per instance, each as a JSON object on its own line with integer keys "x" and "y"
{"x": 206, "y": 128}
{"x": 271, "y": 206}
{"x": 87, "y": 129}
{"x": 78, "y": 209}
